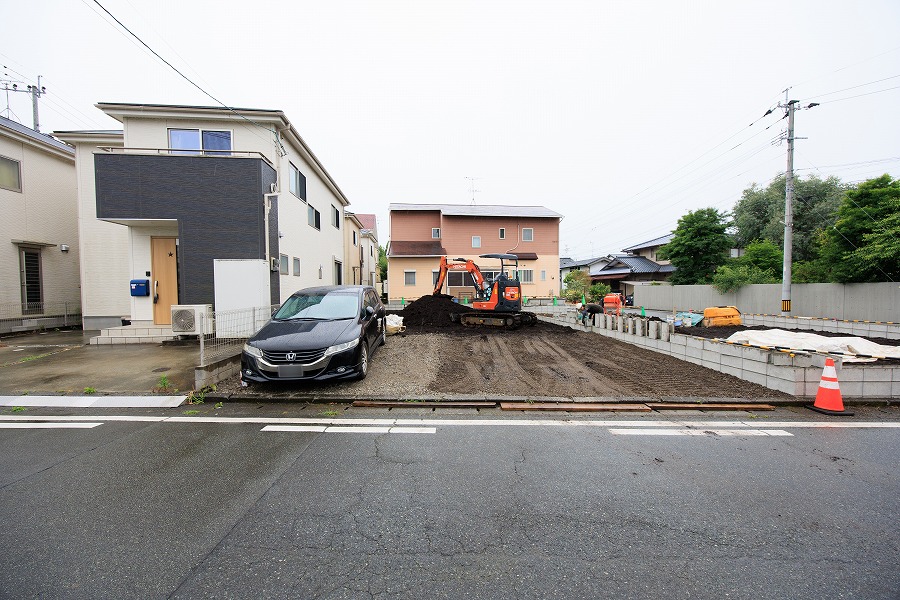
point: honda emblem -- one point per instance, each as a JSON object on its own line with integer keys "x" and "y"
{"x": 291, "y": 356}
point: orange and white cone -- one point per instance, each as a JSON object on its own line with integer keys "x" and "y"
{"x": 828, "y": 397}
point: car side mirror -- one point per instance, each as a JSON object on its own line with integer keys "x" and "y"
{"x": 369, "y": 312}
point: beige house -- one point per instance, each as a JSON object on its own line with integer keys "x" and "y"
{"x": 422, "y": 233}
{"x": 39, "y": 277}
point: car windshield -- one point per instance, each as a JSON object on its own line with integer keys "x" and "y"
{"x": 323, "y": 305}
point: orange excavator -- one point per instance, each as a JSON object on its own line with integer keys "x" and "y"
{"x": 497, "y": 303}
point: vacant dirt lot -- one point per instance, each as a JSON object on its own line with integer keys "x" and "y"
{"x": 434, "y": 356}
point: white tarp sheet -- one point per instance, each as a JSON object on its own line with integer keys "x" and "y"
{"x": 812, "y": 341}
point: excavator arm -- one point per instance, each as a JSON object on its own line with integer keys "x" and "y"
{"x": 462, "y": 264}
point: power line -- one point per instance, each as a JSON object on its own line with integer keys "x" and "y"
{"x": 897, "y": 87}
{"x": 186, "y": 78}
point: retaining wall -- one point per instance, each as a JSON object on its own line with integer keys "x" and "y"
{"x": 796, "y": 374}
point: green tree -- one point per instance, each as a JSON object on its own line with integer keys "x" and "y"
{"x": 765, "y": 256}
{"x": 577, "y": 283}
{"x": 382, "y": 263}
{"x": 597, "y": 291}
{"x": 735, "y": 275}
{"x": 698, "y": 247}
{"x": 759, "y": 214}
{"x": 863, "y": 246}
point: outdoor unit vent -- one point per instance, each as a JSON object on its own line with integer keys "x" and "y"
{"x": 187, "y": 318}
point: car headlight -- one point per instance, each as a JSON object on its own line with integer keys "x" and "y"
{"x": 341, "y": 347}
{"x": 252, "y": 350}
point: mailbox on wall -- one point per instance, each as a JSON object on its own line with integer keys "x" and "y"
{"x": 140, "y": 287}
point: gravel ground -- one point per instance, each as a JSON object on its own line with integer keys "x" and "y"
{"x": 433, "y": 359}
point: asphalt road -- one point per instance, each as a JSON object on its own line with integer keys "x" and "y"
{"x": 460, "y": 505}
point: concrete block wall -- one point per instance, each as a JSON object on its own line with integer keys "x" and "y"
{"x": 881, "y": 329}
{"x": 798, "y": 375}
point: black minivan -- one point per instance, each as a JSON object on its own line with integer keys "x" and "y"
{"x": 318, "y": 333}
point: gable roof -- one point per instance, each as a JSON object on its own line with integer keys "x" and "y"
{"x": 36, "y": 137}
{"x": 367, "y": 220}
{"x": 487, "y": 210}
{"x": 660, "y": 241}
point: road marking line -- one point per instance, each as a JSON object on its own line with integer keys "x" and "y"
{"x": 701, "y": 432}
{"x": 20, "y": 425}
{"x": 94, "y": 401}
{"x": 348, "y": 429}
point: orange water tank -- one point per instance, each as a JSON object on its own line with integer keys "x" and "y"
{"x": 714, "y": 316}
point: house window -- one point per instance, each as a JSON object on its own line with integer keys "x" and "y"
{"x": 336, "y": 219}
{"x": 338, "y": 273}
{"x": 435, "y": 233}
{"x": 283, "y": 264}
{"x": 526, "y": 276}
{"x": 314, "y": 217}
{"x": 371, "y": 252}
{"x": 409, "y": 278}
{"x": 458, "y": 279}
{"x": 10, "y": 174}
{"x": 298, "y": 183}
{"x": 543, "y": 275}
{"x": 32, "y": 292}
{"x": 354, "y": 238}
{"x": 476, "y": 241}
{"x": 200, "y": 141}
{"x": 528, "y": 234}
{"x": 296, "y": 267}
{"x": 434, "y": 276}
{"x": 503, "y": 233}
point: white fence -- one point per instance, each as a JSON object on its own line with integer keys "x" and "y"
{"x": 231, "y": 329}
{"x": 854, "y": 301}
{"x": 30, "y": 316}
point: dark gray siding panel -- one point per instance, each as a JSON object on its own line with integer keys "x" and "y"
{"x": 218, "y": 203}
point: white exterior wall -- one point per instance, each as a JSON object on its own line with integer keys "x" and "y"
{"x": 105, "y": 257}
{"x": 44, "y": 211}
{"x": 370, "y": 260}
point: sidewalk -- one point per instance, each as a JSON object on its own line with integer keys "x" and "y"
{"x": 61, "y": 363}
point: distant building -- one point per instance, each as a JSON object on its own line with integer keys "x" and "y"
{"x": 421, "y": 233}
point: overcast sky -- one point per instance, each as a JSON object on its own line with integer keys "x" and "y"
{"x": 621, "y": 115}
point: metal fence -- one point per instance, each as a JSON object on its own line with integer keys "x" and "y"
{"x": 225, "y": 331}
{"x": 31, "y": 316}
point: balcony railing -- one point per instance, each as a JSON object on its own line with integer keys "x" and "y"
{"x": 177, "y": 152}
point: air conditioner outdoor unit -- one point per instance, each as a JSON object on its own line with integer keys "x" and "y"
{"x": 187, "y": 318}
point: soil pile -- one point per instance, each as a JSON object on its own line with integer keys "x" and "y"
{"x": 432, "y": 312}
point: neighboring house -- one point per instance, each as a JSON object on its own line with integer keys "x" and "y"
{"x": 369, "y": 244}
{"x": 208, "y": 205}
{"x": 352, "y": 249}
{"x": 422, "y": 233}
{"x": 361, "y": 249}
{"x": 650, "y": 249}
{"x": 567, "y": 265}
{"x": 38, "y": 232}
{"x": 624, "y": 272}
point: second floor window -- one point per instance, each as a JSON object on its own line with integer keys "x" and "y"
{"x": 476, "y": 241}
{"x": 336, "y": 220}
{"x": 200, "y": 141}
{"x": 10, "y": 174}
{"x": 354, "y": 238}
{"x": 503, "y": 233}
{"x": 298, "y": 183}
{"x": 528, "y": 234}
{"x": 314, "y": 217}
{"x": 435, "y": 233}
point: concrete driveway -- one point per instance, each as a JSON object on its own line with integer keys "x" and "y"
{"x": 62, "y": 362}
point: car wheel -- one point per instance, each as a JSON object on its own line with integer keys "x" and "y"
{"x": 363, "y": 361}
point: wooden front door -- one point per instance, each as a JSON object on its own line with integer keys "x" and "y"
{"x": 164, "y": 285}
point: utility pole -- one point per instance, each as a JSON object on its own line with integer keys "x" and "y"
{"x": 788, "y": 210}
{"x": 36, "y": 92}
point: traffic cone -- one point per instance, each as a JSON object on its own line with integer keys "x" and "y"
{"x": 828, "y": 398}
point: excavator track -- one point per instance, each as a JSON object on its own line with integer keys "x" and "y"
{"x": 488, "y": 318}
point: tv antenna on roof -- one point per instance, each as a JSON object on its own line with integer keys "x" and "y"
{"x": 472, "y": 188}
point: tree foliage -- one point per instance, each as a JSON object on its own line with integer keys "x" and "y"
{"x": 733, "y": 276}
{"x": 759, "y": 214}
{"x": 578, "y": 284}
{"x": 863, "y": 245}
{"x": 382, "y": 263}
{"x": 597, "y": 291}
{"x": 698, "y": 247}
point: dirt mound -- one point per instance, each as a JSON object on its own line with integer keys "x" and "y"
{"x": 432, "y": 311}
